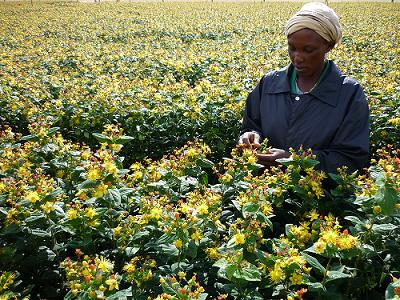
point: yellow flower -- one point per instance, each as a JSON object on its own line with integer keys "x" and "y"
{"x": 33, "y": 196}
{"x": 155, "y": 213}
{"x": 136, "y": 167}
{"x": 72, "y": 214}
{"x": 240, "y": 238}
{"x": 226, "y": 178}
{"x": 203, "y": 209}
{"x": 296, "y": 279}
{"x": 100, "y": 191}
{"x": 112, "y": 283}
{"x": 85, "y": 155}
{"x": 330, "y": 236}
{"x": 82, "y": 195}
{"x": 137, "y": 175}
{"x": 251, "y": 159}
{"x": 104, "y": 264}
{"x": 181, "y": 274}
{"x": 111, "y": 168}
{"x": 93, "y": 174}
{"x": 313, "y": 215}
{"x": 377, "y": 209}
{"x": 155, "y": 176}
{"x": 178, "y": 244}
{"x": 90, "y": 212}
{"x": 213, "y": 253}
{"x": 196, "y": 236}
{"x": 115, "y": 147}
{"x": 394, "y": 121}
{"x": 277, "y": 275}
{"x": 48, "y": 207}
{"x": 117, "y": 230}
{"x": 347, "y": 242}
{"x": 320, "y": 246}
{"x": 192, "y": 153}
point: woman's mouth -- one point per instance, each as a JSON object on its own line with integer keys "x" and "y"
{"x": 300, "y": 68}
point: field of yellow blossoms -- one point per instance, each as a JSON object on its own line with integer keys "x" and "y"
{"x": 119, "y": 175}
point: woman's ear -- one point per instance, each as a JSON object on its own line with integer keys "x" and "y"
{"x": 330, "y": 46}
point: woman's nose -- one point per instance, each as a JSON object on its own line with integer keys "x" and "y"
{"x": 298, "y": 58}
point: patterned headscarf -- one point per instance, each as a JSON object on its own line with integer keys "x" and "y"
{"x": 319, "y": 18}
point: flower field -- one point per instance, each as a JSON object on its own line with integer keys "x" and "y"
{"x": 119, "y": 175}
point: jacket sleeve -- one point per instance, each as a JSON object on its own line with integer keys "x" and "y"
{"x": 350, "y": 145}
{"x": 251, "y": 116}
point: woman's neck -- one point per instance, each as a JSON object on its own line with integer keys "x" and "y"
{"x": 307, "y": 83}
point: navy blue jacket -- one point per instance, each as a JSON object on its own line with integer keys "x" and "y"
{"x": 332, "y": 120}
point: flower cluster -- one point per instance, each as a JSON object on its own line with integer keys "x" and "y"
{"x": 139, "y": 270}
{"x": 178, "y": 287}
{"x": 92, "y": 276}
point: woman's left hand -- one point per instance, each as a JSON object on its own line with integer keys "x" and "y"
{"x": 269, "y": 158}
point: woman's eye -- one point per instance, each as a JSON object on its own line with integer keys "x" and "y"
{"x": 308, "y": 50}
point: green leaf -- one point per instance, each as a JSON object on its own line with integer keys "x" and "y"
{"x": 38, "y": 216}
{"x": 113, "y": 196}
{"x": 249, "y": 273}
{"x": 203, "y": 296}
{"x": 40, "y": 233}
{"x": 192, "y": 249}
{"x": 314, "y": 263}
{"x": 30, "y": 137}
{"x": 122, "y": 294}
{"x": 250, "y": 208}
{"x": 124, "y": 139}
{"x": 221, "y": 263}
{"x": 354, "y": 220}
{"x": 236, "y": 204}
{"x": 87, "y": 184}
{"x": 131, "y": 251}
{"x": 53, "y": 130}
{"x": 230, "y": 270}
{"x": 11, "y": 229}
{"x": 204, "y": 163}
{"x": 288, "y": 232}
{"x": 334, "y": 275}
{"x": 390, "y": 198}
{"x": 264, "y": 219}
{"x": 383, "y": 228}
{"x": 169, "y": 250}
{"x": 316, "y": 287}
{"x": 102, "y": 138}
{"x": 46, "y": 253}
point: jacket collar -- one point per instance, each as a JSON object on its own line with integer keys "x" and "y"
{"x": 326, "y": 91}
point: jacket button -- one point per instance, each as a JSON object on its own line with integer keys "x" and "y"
{"x": 297, "y": 98}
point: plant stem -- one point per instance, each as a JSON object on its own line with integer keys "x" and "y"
{"x": 326, "y": 271}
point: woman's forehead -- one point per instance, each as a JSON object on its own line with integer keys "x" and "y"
{"x": 305, "y": 36}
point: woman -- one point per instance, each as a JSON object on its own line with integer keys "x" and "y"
{"x": 310, "y": 103}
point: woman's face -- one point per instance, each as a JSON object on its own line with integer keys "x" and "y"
{"x": 307, "y": 51}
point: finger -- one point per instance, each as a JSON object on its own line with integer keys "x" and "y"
{"x": 265, "y": 158}
{"x": 256, "y": 139}
{"x": 274, "y": 150}
{"x": 266, "y": 163}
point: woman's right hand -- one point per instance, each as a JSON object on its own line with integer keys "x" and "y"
{"x": 250, "y": 138}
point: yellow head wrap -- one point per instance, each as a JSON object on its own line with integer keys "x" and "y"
{"x": 319, "y": 18}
